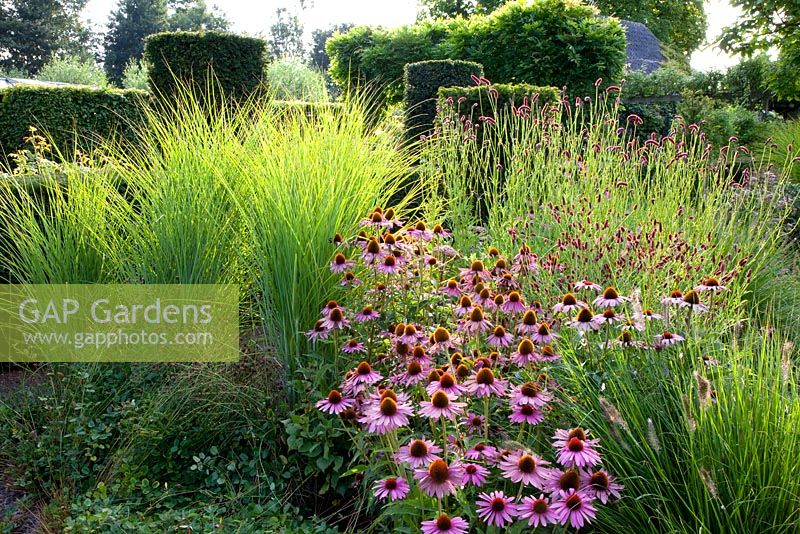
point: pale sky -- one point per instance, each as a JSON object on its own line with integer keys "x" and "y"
{"x": 255, "y": 17}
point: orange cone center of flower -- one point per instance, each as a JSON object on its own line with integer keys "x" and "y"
{"x": 471, "y": 469}
{"x": 499, "y": 331}
{"x": 691, "y": 297}
{"x": 441, "y": 335}
{"x": 390, "y": 483}
{"x": 418, "y": 448}
{"x": 525, "y": 347}
{"x": 388, "y": 407}
{"x": 584, "y": 316}
{"x": 438, "y": 471}
{"x": 609, "y": 314}
{"x": 569, "y": 480}
{"x": 335, "y": 315}
{"x": 513, "y": 296}
{"x": 364, "y": 368}
{"x": 462, "y": 371}
{"x": 675, "y": 294}
{"x": 440, "y": 400}
{"x": 599, "y": 480}
{"x": 447, "y": 381}
{"x": 544, "y": 329}
{"x": 498, "y": 504}
{"x": 414, "y": 368}
{"x": 529, "y": 318}
{"x": 376, "y": 217}
{"x": 476, "y": 316}
{"x": 610, "y": 293}
{"x": 577, "y": 433}
{"x": 477, "y": 266}
{"x": 499, "y": 299}
{"x": 485, "y": 377}
{"x": 540, "y": 506}
{"x": 389, "y": 393}
{"x": 573, "y": 502}
{"x": 465, "y": 302}
{"x": 443, "y": 523}
{"x": 667, "y": 335}
{"x": 711, "y": 281}
{"x": 529, "y": 389}
{"x": 485, "y": 294}
{"x": 334, "y": 397}
{"x": 625, "y": 337}
{"x": 526, "y": 409}
{"x": 569, "y": 300}
{"x": 389, "y": 261}
{"x": 410, "y": 330}
{"x": 549, "y": 351}
{"x": 420, "y": 226}
{"x": 526, "y": 464}
{"x": 339, "y": 259}
{"x": 575, "y": 445}
{"x": 402, "y": 348}
{"x": 373, "y": 247}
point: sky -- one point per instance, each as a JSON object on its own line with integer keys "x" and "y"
{"x": 255, "y": 16}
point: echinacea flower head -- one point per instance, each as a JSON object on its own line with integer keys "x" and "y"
{"x": 349, "y": 279}
{"x": 529, "y": 323}
{"x": 420, "y": 232}
{"x": 318, "y": 332}
{"x": 330, "y": 305}
{"x": 513, "y": 303}
{"x": 525, "y": 468}
{"x": 340, "y": 263}
{"x": 451, "y": 288}
{"x": 440, "y": 232}
{"x": 667, "y": 338}
{"x": 474, "y": 423}
{"x": 367, "y": 313}
{"x": 495, "y": 509}
{"x": 445, "y": 524}
{"x": 587, "y": 285}
{"x": 609, "y": 298}
{"x": 530, "y": 393}
{"x": 372, "y": 252}
{"x": 674, "y": 299}
{"x": 563, "y": 482}
{"x": 575, "y": 509}
{"x": 387, "y": 416}
{"x": 525, "y": 353}
{"x": 418, "y": 453}
{"x": 464, "y": 306}
{"x": 585, "y": 321}
{"x": 499, "y": 337}
{"x": 475, "y": 474}
{"x": 446, "y": 383}
{"x": 710, "y": 284}
{"x": 544, "y": 334}
{"x": 576, "y": 449}
{"x": 547, "y": 354}
{"x": 441, "y": 339}
{"x": 568, "y": 304}
{"x": 485, "y": 384}
{"x": 353, "y": 346}
{"x": 601, "y": 486}
{"x": 389, "y": 265}
{"x": 476, "y": 271}
{"x": 476, "y": 322}
{"x": 691, "y": 300}
{"x": 392, "y": 488}
{"x": 649, "y": 315}
{"x": 441, "y": 405}
{"x": 365, "y": 374}
{"x": 481, "y": 451}
{"x": 609, "y": 316}
{"x": 335, "y": 320}
{"x": 526, "y": 413}
{"x": 335, "y": 403}
{"x": 440, "y": 478}
{"x": 537, "y": 511}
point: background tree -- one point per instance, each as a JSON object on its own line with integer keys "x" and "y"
{"x": 680, "y": 24}
{"x": 129, "y": 25}
{"x": 194, "y": 15}
{"x": 319, "y": 56}
{"x": 33, "y": 31}
{"x": 764, "y": 25}
{"x": 285, "y": 35}
{"x": 447, "y": 9}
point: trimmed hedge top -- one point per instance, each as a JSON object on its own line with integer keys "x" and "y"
{"x": 68, "y": 114}
{"x": 423, "y": 80}
{"x": 237, "y": 61}
{"x": 547, "y": 42}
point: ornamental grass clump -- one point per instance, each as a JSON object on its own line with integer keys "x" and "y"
{"x": 448, "y": 376}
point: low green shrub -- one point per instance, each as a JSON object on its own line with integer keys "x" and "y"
{"x": 134, "y": 76}
{"x": 72, "y": 117}
{"x": 786, "y": 137}
{"x": 546, "y": 42}
{"x": 292, "y": 79}
{"x": 721, "y": 121}
{"x": 75, "y": 70}
{"x": 234, "y": 62}
{"x": 422, "y": 82}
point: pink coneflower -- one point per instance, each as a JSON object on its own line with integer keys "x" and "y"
{"x": 391, "y": 219}
{"x": 543, "y": 334}
{"x": 349, "y": 279}
{"x": 475, "y": 271}
{"x": 631, "y": 325}
{"x": 600, "y": 485}
{"x": 562, "y": 482}
{"x": 496, "y": 509}
{"x": 529, "y": 323}
{"x": 441, "y": 339}
{"x": 340, "y": 263}
{"x": 609, "y": 316}
{"x": 366, "y": 314}
{"x": 376, "y": 220}
{"x": 507, "y": 282}
{"x": 446, "y": 383}
{"x": 710, "y": 284}
{"x": 649, "y": 315}
{"x": 364, "y": 374}
{"x": 464, "y": 306}
{"x": 585, "y": 321}
{"x": 330, "y": 305}
{"x": 530, "y": 393}
{"x": 335, "y": 320}
{"x": 353, "y": 346}
{"x": 568, "y": 304}
{"x": 450, "y": 288}
{"x": 475, "y": 323}
{"x": 525, "y": 413}
{"x": 334, "y": 403}
{"x": 575, "y": 448}
{"x": 525, "y": 353}
{"x": 524, "y": 261}
{"x": 574, "y": 508}
{"x": 525, "y": 468}
{"x": 372, "y": 252}
{"x": 537, "y": 511}
{"x": 440, "y": 479}
{"x": 420, "y": 232}
{"x": 318, "y": 332}
{"x": 586, "y": 284}
{"x": 440, "y": 406}
{"x": 392, "y": 488}
{"x": 387, "y": 416}
{"x": 481, "y": 451}
{"x": 475, "y": 474}
{"x": 499, "y": 337}
{"x": 691, "y": 299}
{"x": 513, "y": 303}
{"x": 389, "y": 265}
{"x": 625, "y": 339}
{"x": 445, "y": 524}
{"x": 441, "y": 232}
{"x": 418, "y": 453}
{"x": 474, "y": 424}
{"x": 609, "y": 298}
{"x": 485, "y": 384}
{"x": 486, "y": 299}
{"x": 408, "y": 335}
{"x": 674, "y": 299}
{"x": 547, "y": 354}
{"x": 667, "y": 338}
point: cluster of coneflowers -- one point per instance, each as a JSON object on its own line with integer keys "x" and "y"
{"x": 448, "y": 376}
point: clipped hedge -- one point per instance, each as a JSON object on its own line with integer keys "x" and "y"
{"x": 485, "y": 100}
{"x": 422, "y": 82}
{"x": 237, "y": 62}
{"x": 547, "y": 42}
{"x": 71, "y": 116}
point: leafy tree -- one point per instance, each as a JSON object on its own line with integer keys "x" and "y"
{"x": 33, "y": 31}
{"x": 194, "y": 15}
{"x": 679, "y": 23}
{"x": 73, "y": 69}
{"x": 285, "y": 35}
{"x": 767, "y": 24}
{"x": 319, "y": 56}
{"x": 447, "y": 9}
{"x": 129, "y": 25}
